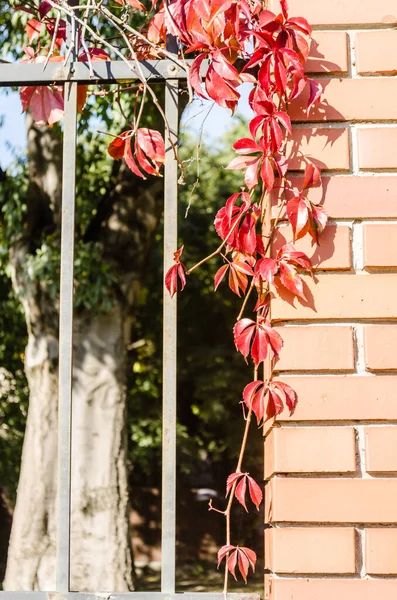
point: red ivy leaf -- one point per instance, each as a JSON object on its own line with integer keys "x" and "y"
{"x": 176, "y": 273}
{"x": 291, "y": 280}
{"x": 267, "y": 268}
{"x": 312, "y": 176}
{"x": 61, "y": 31}
{"x": 194, "y": 75}
{"x": 44, "y": 8}
{"x": 130, "y": 160}
{"x": 287, "y": 260}
{"x": 231, "y": 563}
{"x": 240, "y": 492}
{"x": 231, "y": 480}
{"x": 94, "y": 54}
{"x": 255, "y": 492}
{"x": 149, "y": 151}
{"x": 222, "y": 552}
{"x": 254, "y": 398}
{"x": 150, "y": 146}
{"x": 33, "y": 29}
{"x": 298, "y": 215}
{"x": 219, "y": 276}
{"x": 280, "y": 393}
{"x": 306, "y": 217}
{"x": 235, "y": 225}
{"x": 45, "y": 102}
{"x": 117, "y": 146}
{"x": 238, "y": 279}
{"x": 314, "y": 95}
{"x": 238, "y": 276}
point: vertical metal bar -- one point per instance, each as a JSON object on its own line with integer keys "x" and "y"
{"x": 66, "y": 326}
{"x": 168, "y": 509}
{"x": 66, "y": 337}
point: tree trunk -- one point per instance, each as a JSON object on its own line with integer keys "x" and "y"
{"x": 100, "y": 548}
{"x": 33, "y": 533}
{"x": 124, "y": 225}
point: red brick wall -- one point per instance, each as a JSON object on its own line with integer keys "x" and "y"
{"x": 331, "y": 469}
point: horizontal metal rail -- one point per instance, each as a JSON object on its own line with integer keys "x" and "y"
{"x": 16, "y": 74}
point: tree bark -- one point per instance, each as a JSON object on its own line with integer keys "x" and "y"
{"x": 31, "y": 553}
{"x": 100, "y": 543}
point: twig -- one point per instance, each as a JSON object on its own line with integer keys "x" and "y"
{"x": 51, "y": 50}
{"x": 142, "y": 37}
{"x": 84, "y": 44}
{"x": 218, "y": 250}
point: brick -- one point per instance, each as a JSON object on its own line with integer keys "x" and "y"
{"x": 381, "y": 551}
{"x": 368, "y": 98}
{"x": 329, "y": 589}
{"x": 341, "y": 297}
{"x": 380, "y": 347}
{"x": 375, "y": 147}
{"x": 340, "y": 12}
{"x": 343, "y": 398}
{"x": 376, "y": 51}
{"x": 381, "y": 449}
{"x": 310, "y": 550}
{"x": 310, "y": 450}
{"x": 380, "y": 245}
{"x": 333, "y": 251}
{"x": 327, "y": 148}
{"x": 328, "y": 52}
{"x": 348, "y": 197}
{"x": 334, "y": 500}
{"x": 316, "y": 348}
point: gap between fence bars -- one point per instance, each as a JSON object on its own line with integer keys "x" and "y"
{"x": 70, "y": 75}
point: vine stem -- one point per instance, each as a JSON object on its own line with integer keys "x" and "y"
{"x": 232, "y": 491}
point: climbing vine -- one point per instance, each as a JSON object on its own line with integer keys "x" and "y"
{"x": 232, "y": 42}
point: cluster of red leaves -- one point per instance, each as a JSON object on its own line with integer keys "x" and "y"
{"x": 306, "y": 217}
{"x": 283, "y": 269}
{"x": 236, "y": 224}
{"x": 267, "y": 399}
{"x": 42, "y": 22}
{"x": 148, "y": 152}
{"x": 46, "y": 102}
{"x": 239, "y": 556}
{"x": 257, "y": 338}
{"x": 255, "y": 491}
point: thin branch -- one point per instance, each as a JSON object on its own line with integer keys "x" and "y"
{"x": 218, "y": 250}
{"x": 54, "y": 37}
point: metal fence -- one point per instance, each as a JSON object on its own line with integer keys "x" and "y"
{"x": 70, "y": 76}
